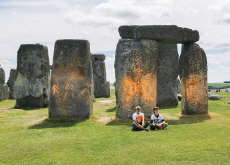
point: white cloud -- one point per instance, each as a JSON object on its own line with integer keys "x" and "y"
{"x": 45, "y": 21}
{"x": 216, "y": 59}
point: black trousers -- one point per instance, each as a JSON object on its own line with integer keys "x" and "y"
{"x": 136, "y": 126}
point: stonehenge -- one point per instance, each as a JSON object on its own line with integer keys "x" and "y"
{"x": 167, "y": 73}
{"x": 101, "y": 86}
{"x": 31, "y": 86}
{"x": 129, "y": 72}
{"x": 10, "y": 83}
{"x": 167, "y": 34}
{"x": 4, "y": 91}
{"x": 71, "y": 94}
{"x": 136, "y": 76}
{"x": 193, "y": 75}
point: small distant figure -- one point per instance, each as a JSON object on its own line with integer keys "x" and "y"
{"x": 138, "y": 121}
{"x": 209, "y": 90}
{"x": 219, "y": 90}
{"x": 157, "y": 120}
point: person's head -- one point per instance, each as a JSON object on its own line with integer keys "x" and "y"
{"x": 155, "y": 110}
{"x": 138, "y": 109}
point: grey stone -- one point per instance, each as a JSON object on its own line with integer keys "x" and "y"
{"x": 167, "y": 34}
{"x": 127, "y": 31}
{"x": 99, "y": 75}
{"x": 228, "y": 102}
{"x": 10, "y": 83}
{"x": 213, "y": 96}
{"x": 71, "y": 93}
{"x": 193, "y": 76}
{"x": 4, "y": 90}
{"x": 2, "y": 76}
{"x": 167, "y": 73}
{"x": 32, "y": 76}
{"x": 136, "y": 76}
{"x": 107, "y": 89}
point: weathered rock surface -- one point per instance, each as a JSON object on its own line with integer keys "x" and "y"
{"x": 99, "y": 76}
{"x": 213, "y": 96}
{"x": 167, "y": 34}
{"x": 71, "y": 93}
{"x": 193, "y": 76}
{"x": 2, "y": 76}
{"x": 10, "y": 83}
{"x": 32, "y": 76}
{"x": 107, "y": 89}
{"x": 4, "y": 91}
{"x": 167, "y": 73}
{"x": 136, "y": 76}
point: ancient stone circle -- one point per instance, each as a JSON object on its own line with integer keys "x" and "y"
{"x": 147, "y": 66}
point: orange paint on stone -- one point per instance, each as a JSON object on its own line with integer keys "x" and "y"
{"x": 194, "y": 89}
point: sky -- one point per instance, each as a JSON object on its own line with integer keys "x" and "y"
{"x": 45, "y": 21}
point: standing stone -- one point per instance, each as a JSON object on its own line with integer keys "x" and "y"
{"x": 167, "y": 73}
{"x": 71, "y": 94}
{"x": 193, "y": 76}
{"x": 136, "y": 76}
{"x": 4, "y": 91}
{"x": 107, "y": 89}
{"x": 10, "y": 83}
{"x": 99, "y": 76}
{"x": 31, "y": 86}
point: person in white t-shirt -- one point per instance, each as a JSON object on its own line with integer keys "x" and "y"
{"x": 157, "y": 120}
{"x": 139, "y": 120}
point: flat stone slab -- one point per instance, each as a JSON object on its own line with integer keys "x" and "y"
{"x": 167, "y": 34}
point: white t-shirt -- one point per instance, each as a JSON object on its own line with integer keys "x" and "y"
{"x": 138, "y": 117}
{"x": 158, "y": 119}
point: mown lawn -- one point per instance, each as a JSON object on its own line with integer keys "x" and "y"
{"x": 28, "y": 137}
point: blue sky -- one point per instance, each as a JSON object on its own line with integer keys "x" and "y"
{"x": 45, "y": 21}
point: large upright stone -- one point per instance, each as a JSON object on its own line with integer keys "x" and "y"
{"x": 31, "y": 86}
{"x": 136, "y": 76}
{"x": 193, "y": 76}
{"x": 167, "y": 34}
{"x": 167, "y": 73}
{"x": 4, "y": 92}
{"x": 10, "y": 83}
{"x": 71, "y": 93}
{"x": 99, "y": 76}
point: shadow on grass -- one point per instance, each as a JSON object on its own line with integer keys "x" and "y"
{"x": 189, "y": 119}
{"x": 56, "y": 123}
{"x": 112, "y": 109}
{"x": 116, "y": 122}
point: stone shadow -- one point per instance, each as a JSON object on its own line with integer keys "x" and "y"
{"x": 56, "y": 123}
{"x": 189, "y": 119}
{"x": 112, "y": 109}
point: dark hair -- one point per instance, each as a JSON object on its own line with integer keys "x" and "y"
{"x": 155, "y": 108}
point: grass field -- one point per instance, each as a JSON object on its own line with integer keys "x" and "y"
{"x": 28, "y": 137}
{"x": 218, "y": 85}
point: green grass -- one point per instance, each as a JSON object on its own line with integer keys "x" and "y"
{"x": 28, "y": 137}
{"x": 218, "y": 85}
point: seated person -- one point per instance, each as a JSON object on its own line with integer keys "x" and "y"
{"x": 157, "y": 120}
{"x": 138, "y": 120}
